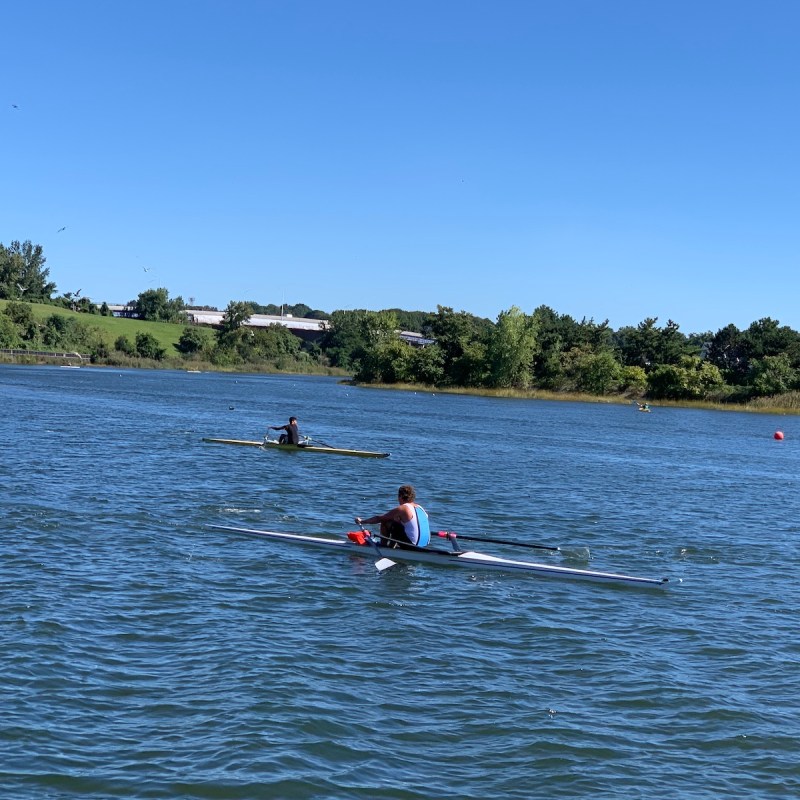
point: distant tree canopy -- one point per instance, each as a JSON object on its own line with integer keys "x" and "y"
{"x": 526, "y": 351}
{"x": 23, "y": 275}
{"x": 154, "y": 305}
{"x": 236, "y": 315}
{"x": 287, "y": 310}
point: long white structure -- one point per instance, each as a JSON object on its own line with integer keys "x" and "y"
{"x": 298, "y": 325}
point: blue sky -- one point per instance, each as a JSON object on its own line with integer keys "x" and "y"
{"x": 609, "y": 159}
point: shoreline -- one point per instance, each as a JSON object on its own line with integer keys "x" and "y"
{"x": 758, "y": 406}
{"x": 576, "y": 397}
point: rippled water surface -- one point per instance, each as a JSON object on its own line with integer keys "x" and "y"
{"x": 147, "y": 655}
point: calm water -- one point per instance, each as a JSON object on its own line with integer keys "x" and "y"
{"x": 145, "y": 655}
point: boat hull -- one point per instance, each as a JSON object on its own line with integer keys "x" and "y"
{"x": 467, "y": 559}
{"x": 308, "y": 448}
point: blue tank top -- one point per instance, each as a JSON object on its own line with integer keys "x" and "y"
{"x": 418, "y": 529}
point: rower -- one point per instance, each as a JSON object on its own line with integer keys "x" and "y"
{"x": 291, "y": 433}
{"x": 406, "y": 525}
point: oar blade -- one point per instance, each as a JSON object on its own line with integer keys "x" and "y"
{"x": 384, "y": 563}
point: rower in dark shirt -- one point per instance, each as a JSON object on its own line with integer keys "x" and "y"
{"x": 291, "y": 433}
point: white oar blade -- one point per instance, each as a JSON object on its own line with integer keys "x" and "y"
{"x": 384, "y": 563}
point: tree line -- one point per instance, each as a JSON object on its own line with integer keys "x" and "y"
{"x": 549, "y": 351}
{"x": 541, "y": 350}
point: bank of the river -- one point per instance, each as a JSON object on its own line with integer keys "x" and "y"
{"x": 788, "y": 403}
{"x": 125, "y": 362}
{"x": 782, "y": 404}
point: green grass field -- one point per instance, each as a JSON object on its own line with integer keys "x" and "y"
{"x": 112, "y": 328}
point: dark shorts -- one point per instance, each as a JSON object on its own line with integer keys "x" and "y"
{"x": 398, "y": 536}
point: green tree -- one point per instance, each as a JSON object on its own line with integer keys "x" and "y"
{"x": 147, "y": 346}
{"x": 344, "y": 342}
{"x": 511, "y": 349}
{"x": 273, "y": 343}
{"x": 639, "y": 346}
{"x": 382, "y": 347}
{"x": 416, "y": 321}
{"x": 672, "y": 345}
{"x": 388, "y": 361}
{"x": 21, "y": 314}
{"x": 192, "y": 340}
{"x": 23, "y": 274}
{"x": 632, "y": 379}
{"x": 767, "y": 337}
{"x": 727, "y": 350}
{"x": 463, "y": 341}
{"x": 229, "y": 333}
{"x": 693, "y": 378}
{"x": 426, "y": 365}
{"x": 352, "y": 334}
{"x": 57, "y": 331}
{"x": 554, "y": 336}
{"x": 124, "y": 345}
{"x": 154, "y": 305}
{"x": 772, "y": 375}
{"x": 472, "y": 367}
{"x": 596, "y": 336}
{"x": 597, "y": 373}
{"x": 237, "y": 314}
{"x": 9, "y": 336}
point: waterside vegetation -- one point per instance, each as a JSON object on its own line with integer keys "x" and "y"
{"x": 541, "y": 354}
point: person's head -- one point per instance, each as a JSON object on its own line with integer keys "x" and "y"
{"x": 406, "y": 493}
{"x": 292, "y": 420}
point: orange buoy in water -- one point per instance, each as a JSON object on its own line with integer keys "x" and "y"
{"x": 778, "y": 435}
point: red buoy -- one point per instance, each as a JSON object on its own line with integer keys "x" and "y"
{"x": 778, "y": 435}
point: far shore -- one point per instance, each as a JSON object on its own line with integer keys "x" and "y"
{"x": 759, "y": 406}
{"x": 785, "y": 404}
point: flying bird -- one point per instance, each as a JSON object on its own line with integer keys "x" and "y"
{"x": 14, "y": 105}
{"x": 61, "y": 229}
{"x": 147, "y": 269}
{"x": 22, "y": 289}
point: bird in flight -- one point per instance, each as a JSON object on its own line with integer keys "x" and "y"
{"x": 147, "y": 269}
{"x": 14, "y": 105}
{"x": 22, "y": 289}
{"x": 61, "y": 229}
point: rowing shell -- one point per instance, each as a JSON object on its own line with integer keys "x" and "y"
{"x": 468, "y": 559}
{"x": 309, "y": 448}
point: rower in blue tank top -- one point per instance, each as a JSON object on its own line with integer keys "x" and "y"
{"x": 406, "y": 525}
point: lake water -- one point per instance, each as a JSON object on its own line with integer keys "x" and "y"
{"x": 147, "y": 655}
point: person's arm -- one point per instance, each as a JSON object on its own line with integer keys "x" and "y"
{"x": 372, "y": 520}
{"x": 393, "y": 515}
{"x": 387, "y": 517}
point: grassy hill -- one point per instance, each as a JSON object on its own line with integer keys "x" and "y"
{"x": 111, "y": 328}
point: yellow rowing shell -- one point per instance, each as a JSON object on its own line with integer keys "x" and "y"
{"x": 307, "y": 448}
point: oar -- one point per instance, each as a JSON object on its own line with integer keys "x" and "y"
{"x": 452, "y": 534}
{"x": 319, "y": 442}
{"x": 382, "y": 563}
